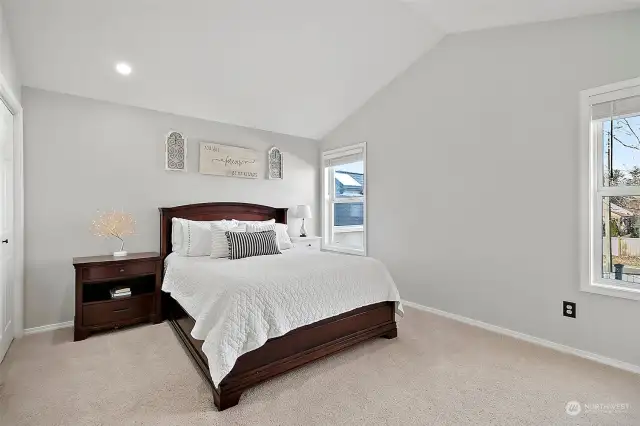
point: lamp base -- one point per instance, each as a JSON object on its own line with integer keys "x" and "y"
{"x": 303, "y": 230}
{"x": 119, "y": 253}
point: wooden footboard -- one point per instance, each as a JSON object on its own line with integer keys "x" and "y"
{"x": 281, "y": 354}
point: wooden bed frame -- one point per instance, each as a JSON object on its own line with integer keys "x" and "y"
{"x": 281, "y": 354}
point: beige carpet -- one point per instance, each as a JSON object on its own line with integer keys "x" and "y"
{"x": 436, "y": 372}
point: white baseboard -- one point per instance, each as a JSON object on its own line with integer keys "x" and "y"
{"x": 531, "y": 339}
{"x": 49, "y": 327}
{"x": 490, "y": 327}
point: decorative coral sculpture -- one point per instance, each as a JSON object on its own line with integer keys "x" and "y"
{"x": 114, "y": 224}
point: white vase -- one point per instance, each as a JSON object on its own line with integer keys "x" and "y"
{"x": 122, "y": 251}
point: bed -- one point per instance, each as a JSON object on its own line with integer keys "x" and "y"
{"x": 274, "y": 355}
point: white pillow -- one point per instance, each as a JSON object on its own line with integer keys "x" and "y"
{"x": 257, "y": 222}
{"x": 196, "y": 237}
{"x": 259, "y": 227}
{"x": 219, "y": 243}
{"x": 284, "y": 241}
{"x": 176, "y": 234}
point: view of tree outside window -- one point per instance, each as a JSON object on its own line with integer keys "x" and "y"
{"x": 621, "y": 213}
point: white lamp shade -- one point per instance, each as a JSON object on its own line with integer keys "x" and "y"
{"x": 303, "y": 211}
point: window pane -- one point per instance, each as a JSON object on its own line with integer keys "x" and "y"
{"x": 621, "y": 151}
{"x": 348, "y": 214}
{"x": 349, "y": 179}
{"x": 348, "y": 230}
{"x": 621, "y": 238}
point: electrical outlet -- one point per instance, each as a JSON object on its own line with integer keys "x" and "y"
{"x": 569, "y": 309}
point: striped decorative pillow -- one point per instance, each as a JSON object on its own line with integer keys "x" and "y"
{"x": 247, "y": 244}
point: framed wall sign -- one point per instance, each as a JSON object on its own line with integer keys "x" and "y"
{"x": 231, "y": 161}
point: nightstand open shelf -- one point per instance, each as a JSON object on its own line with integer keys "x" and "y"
{"x": 136, "y": 296}
{"x": 99, "y": 292}
{"x": 96, "y": 276}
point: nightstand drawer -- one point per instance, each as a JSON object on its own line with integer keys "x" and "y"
{"x": 309, "y": 245}
{"x": 117, "y": 310}
{"x": 94, "y": 273}
{"x": 306, "y": 243}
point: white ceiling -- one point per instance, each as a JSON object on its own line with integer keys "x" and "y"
{"x": 298, "y": 67}
{"x": 291, "y": 66}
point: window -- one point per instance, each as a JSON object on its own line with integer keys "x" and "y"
{"x": 344, "y": 210}
{"x": 611, "y": 195}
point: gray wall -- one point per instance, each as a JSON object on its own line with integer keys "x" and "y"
{"x": 8, "y": 66}
{"x": 82, "y": 155}
{"x": 480, "y": 136}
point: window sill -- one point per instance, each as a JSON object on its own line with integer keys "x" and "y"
{"x": 611, "y": 290}
{"x": 344, "y": 250}
{"x": 348, "y": 228}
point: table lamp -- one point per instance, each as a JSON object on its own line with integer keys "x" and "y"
{"x": 303, "y": 211}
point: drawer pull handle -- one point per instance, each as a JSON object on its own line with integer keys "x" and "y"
{"x": 121, "y": 310}
{"x": 122, "y": 270}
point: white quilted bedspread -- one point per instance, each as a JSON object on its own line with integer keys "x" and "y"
{"x": 239, "y": 304}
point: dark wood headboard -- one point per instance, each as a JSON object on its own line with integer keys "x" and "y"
{"x": 214, "y": 211}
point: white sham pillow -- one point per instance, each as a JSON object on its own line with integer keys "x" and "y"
{"x": 259, "y": 227}
{"x": 284, "y": 241}
{"x": 257, "y": 222}
{"x": 196, "y": 237}
{"x": 219, "y": 242}
{"x": 176, "y": 234}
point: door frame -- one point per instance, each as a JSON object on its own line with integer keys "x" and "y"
{"x": 15, "y": 108}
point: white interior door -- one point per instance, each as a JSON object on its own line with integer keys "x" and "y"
{"x": 6, "y": 230}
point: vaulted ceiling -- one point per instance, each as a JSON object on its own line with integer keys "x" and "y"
{"x": 298, "y": 67}
{"x": 465, "y": 15}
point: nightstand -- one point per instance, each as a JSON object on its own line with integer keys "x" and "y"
{"x": 307, "y": 243}
{"x": 97, "y": 275}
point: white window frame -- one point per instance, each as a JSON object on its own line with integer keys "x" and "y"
{"x": 329, "y": 200}
{"x": 592, "y": 191}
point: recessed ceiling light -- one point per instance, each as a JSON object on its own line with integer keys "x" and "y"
{"x": 123, "y": 68}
